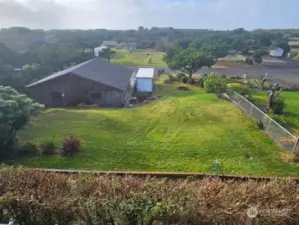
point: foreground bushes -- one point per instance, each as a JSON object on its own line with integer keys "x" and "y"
{"x": 70, "y": 146}
{"x": 215, "y": 84}
{"x": 33, "y": 197}
{"x": 48, "y": 148}
{"x": 28, "y": 148}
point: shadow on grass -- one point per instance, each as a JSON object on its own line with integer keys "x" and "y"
{"x": 170, "y": 90}
{"x": 110, "y": 142}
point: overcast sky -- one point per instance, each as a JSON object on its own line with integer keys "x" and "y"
{"x": 128, "y": 14}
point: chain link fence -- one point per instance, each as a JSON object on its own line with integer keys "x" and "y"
{"x": 278, "y": 133}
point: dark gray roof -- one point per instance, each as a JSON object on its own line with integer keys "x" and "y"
{"x": 101, "y": 71}
{"x": 58, "y": 74}
{"x": 98, "y": 70}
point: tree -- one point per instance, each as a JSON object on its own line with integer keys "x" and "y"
{"x": 141, "y": 28}
{"x": 6, "y": 55}
{"x": 256, "y": 81}
{"x": 238, "y": 31}
{"x": 261, "y": 80}
{"x": 238, "y": 44}
{"x": 249, "y": 61}
{"x": 217, "y": 51}
{"x": 284, "y": 44}
{"x": 15, "y": 112}
{"x": 188, "y": 61}
{"x": 161, "y": 46}
{"x": 106, "y": 53}
{"x": 258, "y": 56}
{"x": 215, "y": 84}
{"x": 275, "y": 103}
{"x": 245, "y": 50}
{"x": 184, "y": 43}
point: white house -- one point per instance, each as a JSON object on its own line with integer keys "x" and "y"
{"x": 276, "y": 52}
{"x": 97, "y": 50}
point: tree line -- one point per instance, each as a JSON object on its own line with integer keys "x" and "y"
{"x": 20, "y": 69}
{"x": 187, "y": 49}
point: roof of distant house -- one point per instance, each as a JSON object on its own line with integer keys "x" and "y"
{"x": 275, "y": 48}
{"x": 110, "y": 43}
{"x": 98, "y": 70}
{"x": 101, "y": 47}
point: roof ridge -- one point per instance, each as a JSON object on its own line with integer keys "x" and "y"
{"x": 61, "y": 73}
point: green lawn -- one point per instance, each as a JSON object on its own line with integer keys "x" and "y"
{"x": 291, "y": 98}
{"x": 291, "y": 115}
{"x": 294, "y": 43}
{"x": 185, "y": 131}
{"x": 139, "y": 58}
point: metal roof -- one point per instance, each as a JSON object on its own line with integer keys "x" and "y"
{"x": 103, "y": 72}
{"x": 145, "y": 73}
{"x": 98, "y": 70}
{"x": 59, "y": 74}
{"x": 101, "y": 47}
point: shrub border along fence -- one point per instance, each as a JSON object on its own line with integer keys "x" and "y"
{"x": 168, "y": 175}
{"x": 278, "y": 133}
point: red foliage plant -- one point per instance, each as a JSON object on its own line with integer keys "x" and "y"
{"x": 70, "y": 146}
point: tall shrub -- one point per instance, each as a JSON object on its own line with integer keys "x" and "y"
{"x": 215, "y": 84}
{"x": 179, "y": 76}
{"x": 15, "y": 112}
{"x": 278, "y": 106}
{"x": 70, "y": 146}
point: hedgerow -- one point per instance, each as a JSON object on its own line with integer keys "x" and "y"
{"x": 35, "y": 197}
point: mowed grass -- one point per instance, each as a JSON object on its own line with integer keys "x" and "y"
{"x": 294, "y": 43}
{"x": 139, "y": 58}
{"x": 186, "y": 131}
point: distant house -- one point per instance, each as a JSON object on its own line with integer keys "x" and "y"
{"x": 97, "y": 50}
{"x": 110, "y": 44}
{"x": 276, "y": 52}
{"x": 93, "y": 82}
{"x": 132, "y": 46}
{"x": 17, "y": 69}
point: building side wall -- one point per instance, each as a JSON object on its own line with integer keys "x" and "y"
{"x": 276, "y": 53}
{"x": 42, "y": 92}
{"x": 144, "y": 85}
{"x": 76, "y": 90}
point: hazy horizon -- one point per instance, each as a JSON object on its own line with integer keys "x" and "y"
{"x": 129, "y": 14}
